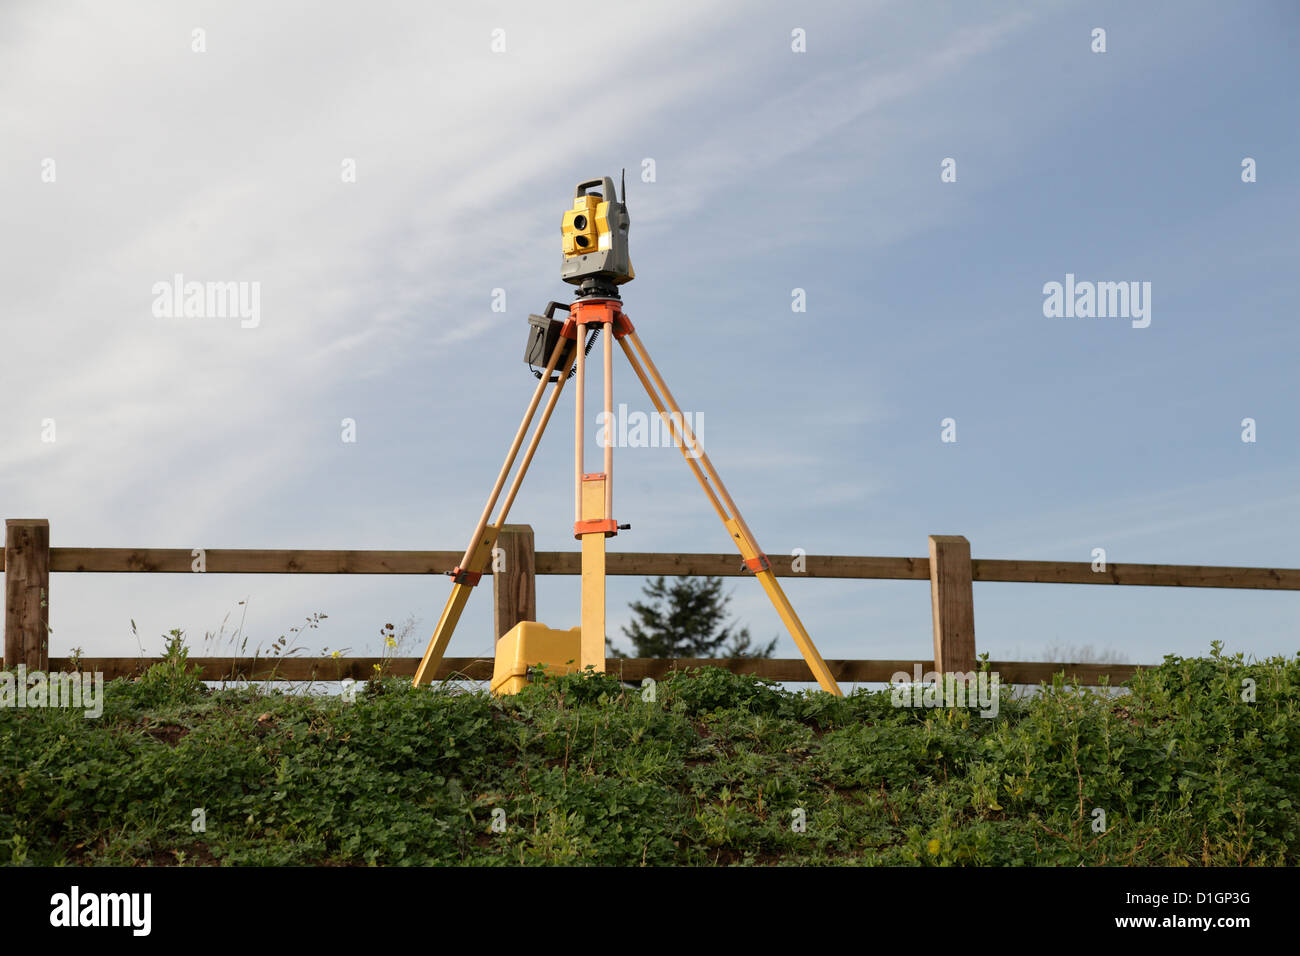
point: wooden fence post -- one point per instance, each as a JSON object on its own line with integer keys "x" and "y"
{"x": 952, "y": 603}
{"x": 514, "y": 588}
{"x": 27, "y": 593}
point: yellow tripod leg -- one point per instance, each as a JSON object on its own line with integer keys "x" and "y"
{"x": 695, "y": 456}
{"x": 479, "y": 552}
{"x": 592, "y": 646}
{"x": 460, "y": 592}
{"x": 784, "y": 609}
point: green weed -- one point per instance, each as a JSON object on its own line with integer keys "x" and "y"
{"x": 1198, "y": 763}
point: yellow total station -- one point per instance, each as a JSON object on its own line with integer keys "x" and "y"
{"x": 594, "y": 239}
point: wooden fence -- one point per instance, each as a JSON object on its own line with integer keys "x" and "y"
{"x": 29, "y": 560}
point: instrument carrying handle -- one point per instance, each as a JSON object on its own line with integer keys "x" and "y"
{"x": 604, "y": 182}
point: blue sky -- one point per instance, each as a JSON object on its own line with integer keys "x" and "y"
{"x": 775, "y": 170}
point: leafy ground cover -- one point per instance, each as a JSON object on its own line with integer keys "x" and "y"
{"x": 1199, "y": 764}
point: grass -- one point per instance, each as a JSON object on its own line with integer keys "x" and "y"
{"x": 716, "y": 769}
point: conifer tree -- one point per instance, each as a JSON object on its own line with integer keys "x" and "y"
{"x": 687, "y": 618}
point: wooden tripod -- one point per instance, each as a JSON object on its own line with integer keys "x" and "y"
{"x": 594, "y": 494}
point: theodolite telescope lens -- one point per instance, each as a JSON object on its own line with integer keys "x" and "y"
{"x": 579, "y": 222}
{"x": 581, "y": 242}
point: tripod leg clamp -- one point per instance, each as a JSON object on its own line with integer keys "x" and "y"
{"x": 608, "y": 525}
{"x": 758, "y": 564}
{"x": 468, "y": 578}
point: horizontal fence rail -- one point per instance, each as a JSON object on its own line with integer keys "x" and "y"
{"x": 28, "y": 560}
{"x": 259, "y": 561}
